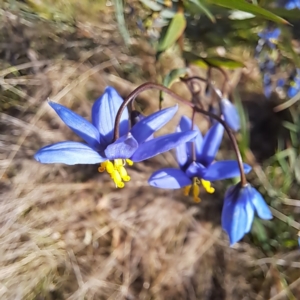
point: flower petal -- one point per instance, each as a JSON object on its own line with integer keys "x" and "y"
{"x": 195, "y": 169}
{"x": 104, "y": 114}
{"x": 184, "y": 152}
{"x": 181, "y": 155}
{"x": 70, "y": 153}
{"x": 223, "y": 170}
{"x": 231, "y": 115}
{"x": 148, "y": 125}
{"x": 211, "y": 144}
{"x": 235, "y": 215}
{"x": 123, "y": 147}
{"x": 162, "y": 144}
{"x": 169, "y": 178}
{"x": 260, "y": 205}
{"x": 78, "y": 124}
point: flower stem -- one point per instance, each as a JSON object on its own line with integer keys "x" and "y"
{"x": 151, "y": 85}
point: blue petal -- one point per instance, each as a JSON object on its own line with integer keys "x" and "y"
{"x": 181, "y": 155}
{"x": 162, "y": 144}
{"x": 169, "y": 178}
{"x": 292, "y": 92}
{"x": 234, "y": 215}
{"x": 259, "y": 203}
{"x": 148, "y": 125}
{"x": 78, "y": 124}
{"x": 211, "y": 144}
{"x": 223, "y": 170}
{"x": 230, "y": 114}
{"x": 186, "y": 125}
{"x": 104, "y": 113}
{"x": 123, "y": 147}
{"x": 70, "y": 153}
{"x": 195, "y": 169}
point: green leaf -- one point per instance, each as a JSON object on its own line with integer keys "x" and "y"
{"x": 119, "y": 11}
{"x": 174, "y": 31}
{"x": 173, "y": 75}
{"x": 297, "y": 169}
{"x": 212, "y": 61}
{"x": 250, "y": 8}
{"x": 202, "y": 7}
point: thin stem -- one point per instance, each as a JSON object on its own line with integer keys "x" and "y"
{"x": 150, "y": 85}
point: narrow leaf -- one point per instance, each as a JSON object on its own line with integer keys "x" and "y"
{"x": 202, "y": 7}
{"x": 174, "y": 31}
{"x": 250, "y": 8}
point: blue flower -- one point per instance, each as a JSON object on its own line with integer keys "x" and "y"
{"x": 294, "y": 88}
{"x": 238, "y": 211}
{"x": 98, "y": 135}
{"x": 292, "y": 4}
{"x": 270, "y": 37}
{"x": 195, "y": 160}
{"x": 231, "y": 115}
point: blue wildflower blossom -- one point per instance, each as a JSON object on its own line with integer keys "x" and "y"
{"x": 270, "y": 37}
{"x": 290, "y": 4}
{"x": 100, "y": 148}
{"x": 294, "y": 87}
{"x": 196, "y": 162}
{"x": 239, "y": 207}
{"x": 230, "y": 114}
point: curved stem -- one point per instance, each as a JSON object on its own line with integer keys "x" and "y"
{"x": 150, "y": 85}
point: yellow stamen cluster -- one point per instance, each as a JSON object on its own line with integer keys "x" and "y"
{"x": 195, "y": 187}
{"x": 116, "y": 170}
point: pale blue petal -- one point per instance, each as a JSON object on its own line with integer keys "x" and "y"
{"x": 123, "y": 147}
{"x": 195, "y": 169}
{"x": 234, "y": 216}
{"x": 223, "y": 170}
{"x": 162, "y": 144}
{"x": 181, "y": 155}
{"x": 259, "y": 203}
{"x": 250, "y": 216}
{"x": 142, "y": 130}
{"x": 185, "y": 124}
{"x": 70, "y": 153}
{"x": 78, "y": 124}
{"x": 104, "y": 113}
{"x": 211, "y": 144}
{"x": 231, "y": 115}
{"x": 169, "y": 178}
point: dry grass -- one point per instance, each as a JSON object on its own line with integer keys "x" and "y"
{"x": 66, "y": 232}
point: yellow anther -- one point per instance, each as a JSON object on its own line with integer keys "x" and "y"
{"x": 129, "y": 162}
{"x": 116, "y": 177}
{"x": 116, "y": 170}
{"x": 123, "y": 173}
{"x": 207, "y": 185}
{"x": 196, "y": 192}
{"x": 102, "y": 167}
{"x": 109, "y": 167}
{"x": 187, "y": 190}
